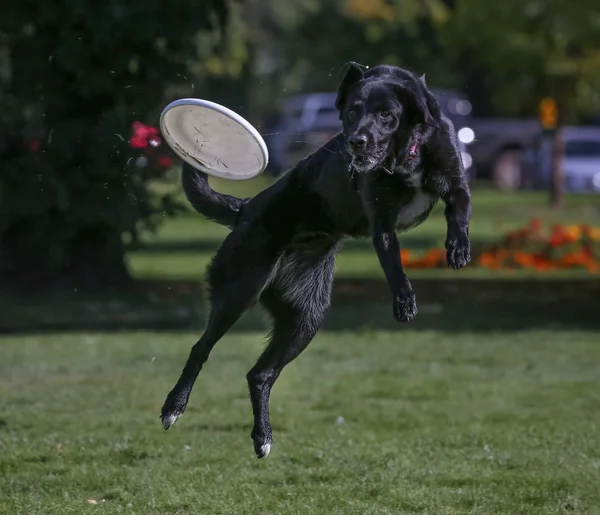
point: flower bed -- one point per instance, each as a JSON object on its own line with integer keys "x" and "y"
{"x": 562, "y": 247}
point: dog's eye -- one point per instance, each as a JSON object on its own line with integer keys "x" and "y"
{"x": 385, "y": 115}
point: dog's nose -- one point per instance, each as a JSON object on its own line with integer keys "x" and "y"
{"x": 357, "y": 142}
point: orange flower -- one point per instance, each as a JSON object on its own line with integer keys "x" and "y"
{"x": 571, "y": 234}
{"x": 405, "y": 255}
{"x": 592, "y": 267}
{"x": 488, "y": 260}
{"x": 535, "y": 224}
{"x": 576, "y": 259}
{"x": 527, "y": 248}
{"x": 556, "y": 239}
{"x": 523, "y": 258}
{"x": 586, "y": 230}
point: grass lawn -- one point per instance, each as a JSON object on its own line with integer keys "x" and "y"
{"x": 182, "y": 247}
{"x": 487, "y": 403}
{"x": 175, "y": 258}
{"x": 367, "y": 422}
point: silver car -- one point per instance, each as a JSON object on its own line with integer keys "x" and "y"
{"x": 581, "y": 164}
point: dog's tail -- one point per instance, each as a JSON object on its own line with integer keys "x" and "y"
{"x": 216, "y": 206}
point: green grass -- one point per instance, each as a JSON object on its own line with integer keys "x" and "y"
{"x": 371, "y": 422}
{"x": 487, "y": 403}
{"x": 182, "y": 247}
{"x": 176, "y": 258}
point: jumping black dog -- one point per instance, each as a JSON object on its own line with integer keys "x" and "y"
{"x": 396, "y": 156}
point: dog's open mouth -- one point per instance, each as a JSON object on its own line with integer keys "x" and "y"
{"x": 363, "y": 163}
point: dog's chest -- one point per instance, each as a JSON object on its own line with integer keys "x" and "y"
{"x": 415, "y": 204}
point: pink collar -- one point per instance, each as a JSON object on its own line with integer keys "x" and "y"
{"x": 412, "y": 152}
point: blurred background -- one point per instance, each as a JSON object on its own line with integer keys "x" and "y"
{"x": 101, "y": 262}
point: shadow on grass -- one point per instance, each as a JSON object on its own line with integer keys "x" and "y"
{"x": 358, "y": 305}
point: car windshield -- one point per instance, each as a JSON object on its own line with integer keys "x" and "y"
{"x": 583, "y": 148}
{"x": 326, "y": 110}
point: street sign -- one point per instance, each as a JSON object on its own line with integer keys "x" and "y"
{"x": 548, "y": 113}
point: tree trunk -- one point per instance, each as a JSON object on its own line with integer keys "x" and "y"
{"x": 557, "y": 183}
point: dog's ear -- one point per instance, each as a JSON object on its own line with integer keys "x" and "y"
{"x": 425, "y": 109}
{"x": 353, "y": 75}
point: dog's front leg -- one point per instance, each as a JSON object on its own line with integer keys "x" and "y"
{"x": 458, "y": 216}
{"x": 387, "y": 247}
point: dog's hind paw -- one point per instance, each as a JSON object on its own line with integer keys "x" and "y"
{"x": 169, "y": 419}
{"x": 405, "y": 306}
{"x": 171, "y": 411}
{"x": 262, "y": 446}
{"x": 264, "y": 450}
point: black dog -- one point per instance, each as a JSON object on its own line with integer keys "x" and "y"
{"x": 397, "y": 155}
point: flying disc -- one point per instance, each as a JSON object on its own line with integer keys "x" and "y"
{"x": 214, "y": 139}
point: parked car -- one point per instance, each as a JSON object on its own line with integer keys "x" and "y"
{"x": 581, "y": 163}
{"x": 310, "y": 120}
{"x": 500, "y": 147}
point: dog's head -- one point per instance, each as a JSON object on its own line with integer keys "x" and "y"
{"x": 379, "y": 109}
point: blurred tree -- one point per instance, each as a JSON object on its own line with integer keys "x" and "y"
{"x": 74, "y": 76}
{"x": 530, "y": 50}
{"x": 534, "y": 49}
{"x": 507, "y": 55}
{"x": 302, "y": 46}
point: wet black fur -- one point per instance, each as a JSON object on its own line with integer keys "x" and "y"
{"x": 281, "y": 250}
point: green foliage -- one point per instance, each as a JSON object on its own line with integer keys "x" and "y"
{"x": 303, "y": 45}
{"x": 510, "y": 54}
{"x": 75, "y": 75}
{"x": 532, "y": 49}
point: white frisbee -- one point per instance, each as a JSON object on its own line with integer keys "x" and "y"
{"x": 214, "y": 139}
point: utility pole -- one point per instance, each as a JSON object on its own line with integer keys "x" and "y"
{"x": 557, "y": 186}
{"x": 548, "y": 113}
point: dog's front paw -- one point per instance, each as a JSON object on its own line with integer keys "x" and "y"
{"x": 458, "y": 251}
{"x": 405, "y": 306}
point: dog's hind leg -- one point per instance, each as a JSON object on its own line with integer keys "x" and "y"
{"x": 234, "y": 286}
{"x": 297, "y": 299}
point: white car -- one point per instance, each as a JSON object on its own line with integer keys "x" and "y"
{"x": 581, "y": 165}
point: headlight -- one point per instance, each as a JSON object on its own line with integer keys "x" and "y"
{"x": 468, "y": 160}
{"x": 466, "y": 135}
{"x": 463, "y": 107}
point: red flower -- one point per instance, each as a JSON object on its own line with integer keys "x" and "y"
{"x": 586, "y": 230}
{"x": 137, "y": 142}
{"x": 557, "y": 237}
{"x": 165, "y": 161}
{"x": 535, "y": 224}
{"x": 144, "y": 135}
